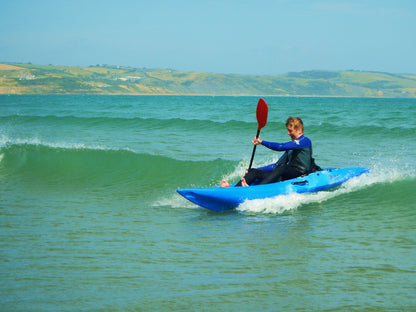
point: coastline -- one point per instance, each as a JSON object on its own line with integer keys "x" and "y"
{"x": 16, "y": 78}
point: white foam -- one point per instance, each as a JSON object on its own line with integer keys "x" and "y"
{"x": 5, "y": 141}
{"x": 290, "y": 202}
{"x": 174, "y": 201}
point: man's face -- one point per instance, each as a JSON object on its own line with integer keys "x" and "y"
{"x": 293, "y": 133}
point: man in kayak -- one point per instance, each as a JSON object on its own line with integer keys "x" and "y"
{"x": 296, "y": 161}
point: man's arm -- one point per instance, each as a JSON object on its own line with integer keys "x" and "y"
{"x": 302, "y": 142}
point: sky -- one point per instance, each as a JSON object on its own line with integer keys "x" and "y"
{"x": 257, "y": 37}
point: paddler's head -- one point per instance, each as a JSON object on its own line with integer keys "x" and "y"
{"x": 294, "y": 127}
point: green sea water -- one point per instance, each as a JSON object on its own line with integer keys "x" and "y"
{"x": 90, "y": 219}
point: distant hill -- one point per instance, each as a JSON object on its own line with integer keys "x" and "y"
{"x": 102, "y": 79}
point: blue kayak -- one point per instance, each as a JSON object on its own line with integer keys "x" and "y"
{"x": 219, "y": 199}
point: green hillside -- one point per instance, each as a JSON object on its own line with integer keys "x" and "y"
{"x": 103, "y": 79}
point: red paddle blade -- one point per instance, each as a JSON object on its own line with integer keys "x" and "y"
{"x": 261, "y": 113}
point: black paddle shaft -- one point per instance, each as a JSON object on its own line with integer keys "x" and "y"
{"x": 254, "y": 150}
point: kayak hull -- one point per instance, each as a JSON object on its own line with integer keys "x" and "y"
{"x": 220, "y": 199}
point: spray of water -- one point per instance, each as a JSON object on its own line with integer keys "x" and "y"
{"x": 284, "y": 203}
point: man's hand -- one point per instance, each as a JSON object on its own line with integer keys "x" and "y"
{"x": 257, "y": 141}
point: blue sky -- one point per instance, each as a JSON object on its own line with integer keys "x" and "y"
{"x": 219, "y": 36}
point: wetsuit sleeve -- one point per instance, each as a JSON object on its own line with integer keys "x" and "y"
{"x": 302, "y": 142}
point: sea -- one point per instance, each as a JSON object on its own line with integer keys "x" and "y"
{"x": 90, "y": 219}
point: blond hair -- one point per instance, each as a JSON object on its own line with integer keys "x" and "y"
{"x": 295, "y": 122}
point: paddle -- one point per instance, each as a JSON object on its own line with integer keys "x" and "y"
{"x": 261, "y": 114}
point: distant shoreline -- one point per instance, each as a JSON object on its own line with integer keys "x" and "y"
{"x": 16, "y": 78}
{"x": 210, "y": 95}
